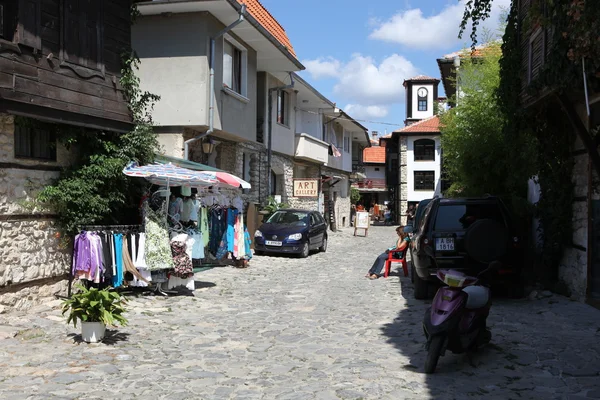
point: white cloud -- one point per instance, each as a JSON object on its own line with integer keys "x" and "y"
{"x": 363, "y": 81}
{"x": 412, "y": 29}
{"x": 368, "y": 86}
{"x": 359, "y": 111}
{"x": 322, "y": 67}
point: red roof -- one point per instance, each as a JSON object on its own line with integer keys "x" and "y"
{"x": 262, "y": 15}
{"x": 374, "y": 155}
{"x": 428, "y": 125}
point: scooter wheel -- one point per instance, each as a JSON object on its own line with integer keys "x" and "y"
{"x": 434, "y": 353}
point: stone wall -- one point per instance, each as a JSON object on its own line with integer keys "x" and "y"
{"x": 32, "y": 263}
{"x": 574, "y": 264}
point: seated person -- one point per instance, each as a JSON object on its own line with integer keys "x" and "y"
{"x": 401, "y": 244}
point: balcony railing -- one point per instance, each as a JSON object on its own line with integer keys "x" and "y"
{"x": 311, "y": 149}
{"x": 376, "y": 183}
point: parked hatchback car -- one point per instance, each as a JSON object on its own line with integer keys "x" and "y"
{"x": 444, "y": 225}
{"x": 292, "y": 232}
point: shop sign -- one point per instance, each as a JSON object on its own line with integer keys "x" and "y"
{"x": 306, "y": 188}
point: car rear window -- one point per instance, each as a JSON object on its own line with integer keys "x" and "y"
{"x": 453, "y": 217}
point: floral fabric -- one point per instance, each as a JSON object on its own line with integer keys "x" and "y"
{"x": 182, "y": 263}
{"x": 157, "y": 247}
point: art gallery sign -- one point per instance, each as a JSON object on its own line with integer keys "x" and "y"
{"x": 306, "y": 188}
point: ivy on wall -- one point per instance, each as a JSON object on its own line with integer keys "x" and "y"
{"x": 94, "y": 190}
{"x": 573, "y": 29}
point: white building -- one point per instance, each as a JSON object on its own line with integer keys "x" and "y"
{"x": 419, "y": 147}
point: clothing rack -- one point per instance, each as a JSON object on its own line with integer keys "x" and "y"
{"x": 93, "y": 228}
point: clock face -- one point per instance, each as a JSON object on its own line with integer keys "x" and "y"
{"x": 422, "y": 92}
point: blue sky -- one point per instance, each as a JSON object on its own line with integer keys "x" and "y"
{"x": 357, "y": 53}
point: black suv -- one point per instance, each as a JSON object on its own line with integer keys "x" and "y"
{"x": 443, "y": 227}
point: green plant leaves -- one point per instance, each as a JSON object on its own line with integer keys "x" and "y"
{"x": 95, "y": 305}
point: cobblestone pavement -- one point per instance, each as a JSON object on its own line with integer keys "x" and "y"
{"x": 289, "y": 328}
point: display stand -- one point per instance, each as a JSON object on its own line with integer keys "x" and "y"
{"x": 362, "y": 220}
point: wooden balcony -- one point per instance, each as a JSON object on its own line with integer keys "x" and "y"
{"x": 375, "y": 185}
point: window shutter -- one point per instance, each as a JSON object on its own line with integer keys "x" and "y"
{"x": 29, "y": 24}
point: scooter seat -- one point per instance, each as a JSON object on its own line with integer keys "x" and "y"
{"x": 477, "y": 297}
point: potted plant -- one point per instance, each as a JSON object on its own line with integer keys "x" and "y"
{"x": 95, "y": 309}
{"x": 271, "y": 206}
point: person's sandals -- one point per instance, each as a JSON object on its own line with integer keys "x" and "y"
{"x": 373, "y": 276}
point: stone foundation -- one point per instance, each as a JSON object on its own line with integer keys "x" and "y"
{"x": 573, "y": 269}
{"x": 33, "y": 265}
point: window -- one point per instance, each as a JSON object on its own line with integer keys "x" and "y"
{"x": 424, "y": 180}
{"x": 324, "y": 138}
{"x": 36, "y": 143}
{"x": 8, "y": 20}
{"x": 347, "y": 144}
{"x": 422, "y": 104}
{"x": 82, "y": 33}
{"x": 536, "y": 54}
{"x": 461, "y": 216}
{"x": 234, "y": 66}
{"x": 282, "y": 107}
{"x": 246, "y": 167}
{"x": 424, "y": 150}
{"x": 376, "y": 169}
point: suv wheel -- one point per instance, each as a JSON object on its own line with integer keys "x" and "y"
{"x": 421, "y": 287}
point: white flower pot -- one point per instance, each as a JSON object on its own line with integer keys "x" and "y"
{"x": 92, "y": 332}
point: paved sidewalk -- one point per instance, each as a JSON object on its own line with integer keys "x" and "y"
{"x": 289, "y": 328}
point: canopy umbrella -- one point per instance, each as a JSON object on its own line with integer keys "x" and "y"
{"x": 170, "y": 175}
{"x": 228, "y": 179}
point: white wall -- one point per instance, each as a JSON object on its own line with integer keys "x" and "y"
{"x": 347, "y": 155}
{"x": 174, "y": 65}
{"x": 283, "y": 135}
{"x": 413, "y": 166}
{"x": 173, "y": 54}
{"x": 415, "y": 101}
{"x": 372, "y": 174}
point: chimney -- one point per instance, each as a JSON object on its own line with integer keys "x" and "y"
{"x": 374, "y": 134}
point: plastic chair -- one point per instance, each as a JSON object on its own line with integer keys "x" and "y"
{"x": 391, "y": 259}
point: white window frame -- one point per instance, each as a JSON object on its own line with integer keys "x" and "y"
{"x": 243, "y": 93}
{"x": 346, "y": 144}
{"x": 285, "y": 112}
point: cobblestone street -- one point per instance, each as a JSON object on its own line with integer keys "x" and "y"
{"x": 289, "y": 328}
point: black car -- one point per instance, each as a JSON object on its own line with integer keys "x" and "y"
{"x": 292, "y": 232}
{"x": 444, "y": 226}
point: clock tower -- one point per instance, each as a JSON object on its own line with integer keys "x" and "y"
{"x": 421, "y": 95}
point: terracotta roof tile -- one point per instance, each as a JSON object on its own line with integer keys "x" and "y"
{"x": 262, "y": 15}
{"x": 422, "y": 78}
{"x": 428, "y": 125}
{"x": 374, "y": 155}
{"x": 479, "y": 51}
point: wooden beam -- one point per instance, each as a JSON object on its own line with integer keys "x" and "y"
{"x": 581, "y": 130}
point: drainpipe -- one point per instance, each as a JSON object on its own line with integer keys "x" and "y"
{"x": 211, "y": 84}
{"x": 270, "y": 129}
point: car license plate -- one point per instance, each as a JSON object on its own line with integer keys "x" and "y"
{"x": 444, "y": 244}
{"x": 273, "y": 243}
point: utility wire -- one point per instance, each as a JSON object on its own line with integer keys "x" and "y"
{"x": 355, "y": 119}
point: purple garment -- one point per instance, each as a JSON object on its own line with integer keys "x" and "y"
{"x": 87, "y": 254}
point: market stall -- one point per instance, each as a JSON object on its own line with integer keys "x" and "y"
{"x": 190, "y": 218}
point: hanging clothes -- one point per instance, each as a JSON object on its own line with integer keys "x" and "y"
{"x": 198, "y": 246}
{"x": 157, "y": 247}
{"x": 218, "y": 226}
{"x": 140, "y": 263}
{"x": 203, "y": 225}
{"x": 231, "y": 222}
{"x": 183, "y": 264}
{"x": 118, "y": 277}
{"x": 128, "y": 262}
{"x": 87, "y": 259}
